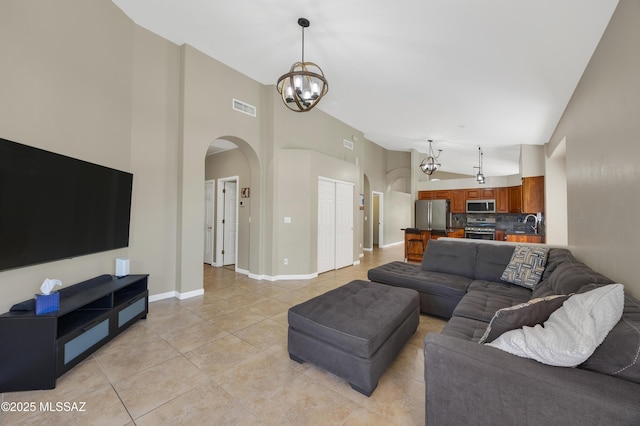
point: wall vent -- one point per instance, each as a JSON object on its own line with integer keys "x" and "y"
{"x": 244, "y": 107}
{"x": 347, "y": 144}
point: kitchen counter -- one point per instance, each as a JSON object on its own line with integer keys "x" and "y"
{"x": 525, "y": 237}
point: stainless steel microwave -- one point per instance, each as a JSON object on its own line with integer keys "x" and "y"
{"x": 481, "y": 206}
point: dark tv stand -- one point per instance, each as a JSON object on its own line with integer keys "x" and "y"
{"x": 37, "y": 349}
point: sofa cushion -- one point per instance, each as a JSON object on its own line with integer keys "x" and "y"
{"x": 526, "y": 266}
{"x": 572, "y": 333}
{"x": 464, "y": 328}
{"x": 491, "y": 260}
{"x": 482, "y": 305}
{"x": 535, "y": 311}
{"x": 411, "y": 276}
{"x": 571, "y": 275}
{"x": 450, "y": 257}
{"x": 619, "y": 353}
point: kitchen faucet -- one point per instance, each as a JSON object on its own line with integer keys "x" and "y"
{"x": 535, "y": 218}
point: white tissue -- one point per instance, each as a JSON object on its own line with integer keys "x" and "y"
{"x": 48, "y": 285}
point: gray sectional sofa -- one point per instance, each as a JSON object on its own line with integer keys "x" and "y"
{"x": 472, "y": 383}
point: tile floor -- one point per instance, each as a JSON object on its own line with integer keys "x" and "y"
{"x": 221, "y": 359}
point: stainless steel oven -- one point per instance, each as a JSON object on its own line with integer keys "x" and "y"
{"x": 479, "y": 235}
{"x": 480, "y": 228}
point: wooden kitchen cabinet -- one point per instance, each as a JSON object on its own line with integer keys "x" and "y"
{"x": 434, "y": 195}
{"x": 458, "y": 201}
{"x": 515, "y": 199}
{"x": 500, "y": 235}
{"x": 525, "y": 238}
{"x": 472, "y": 194}
{"x": 533, "y": 194}
{"x": 442, "y": 195}
{"x": 502, "y": 200}
{"x": 481, "y": 194}
{"x": 458, "y": 233}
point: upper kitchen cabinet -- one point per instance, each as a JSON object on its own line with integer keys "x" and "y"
{"x": 434, "y": 195}
{"x": 533, "y": 194}
{"x": 481, "y": 194}
{"x": 426, "y": 195}
{"x": 458, "y": 201}
{"x": 502, "y": 200}
{"x": 515, "y": 199}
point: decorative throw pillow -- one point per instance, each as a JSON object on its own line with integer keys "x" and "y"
{"x": 526, "y": 266}
{"x": 572, "y": 332}
{"x": 535, "y": 311}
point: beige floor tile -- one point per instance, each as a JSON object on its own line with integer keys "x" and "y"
{"x": 305, "y": 402}
{"x": 237, "y": 320}
{"x": 364, "y": 417}
{"x": 190, "y": 338}
{"x": 217, "y": 357}
{"x": 135, "y": 358}
{"x": 205, "y": 405}
{"x": 264, "y": 334}
{"x": 268, "y": 308}
{"x": 256, "y": 380}
{"x": 100, "y": 407}
{"x": 149, "y": 389}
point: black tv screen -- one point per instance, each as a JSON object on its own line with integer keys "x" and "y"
{"x": 56, "y": 207}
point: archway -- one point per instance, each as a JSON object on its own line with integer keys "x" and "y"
{"x": 228, "y": 160}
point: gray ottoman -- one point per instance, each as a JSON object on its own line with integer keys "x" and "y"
{"x": 354, "y": 331}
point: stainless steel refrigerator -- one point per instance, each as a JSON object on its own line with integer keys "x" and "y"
{"x": 433, "y": 215}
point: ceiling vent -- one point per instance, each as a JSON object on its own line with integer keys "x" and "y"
{"x": 244, "y": 107}
{"x": 347, "y": 144}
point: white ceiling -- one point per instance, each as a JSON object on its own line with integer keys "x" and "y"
{"x": 465, "y": 73}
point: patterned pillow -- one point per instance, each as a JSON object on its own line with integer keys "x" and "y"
{"x": 535, "y": 311}
{"x": 526, "y": 266}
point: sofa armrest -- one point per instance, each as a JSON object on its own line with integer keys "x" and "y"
{"x": 471, "y": 383}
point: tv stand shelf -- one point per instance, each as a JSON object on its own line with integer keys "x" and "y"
{"x": 37, "y": 349}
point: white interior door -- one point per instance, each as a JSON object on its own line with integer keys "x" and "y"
{"x": 208, "y": 221}
{"x": 335, "y": 225}
{"x": 326, "y": 226}
{"x": 344, "y": 225}
{"x": 230, "y": 222}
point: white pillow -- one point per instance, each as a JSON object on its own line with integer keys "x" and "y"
{"x": 572, "y": 333}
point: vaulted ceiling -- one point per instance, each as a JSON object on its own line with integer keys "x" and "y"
{"x": 465, "y": 73}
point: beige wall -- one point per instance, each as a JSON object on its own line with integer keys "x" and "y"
{"x": 387, "y": 172}
{"x": 154, "y": 148}
{"x": 602, "y": 134}
{"x": 51, "y": 99}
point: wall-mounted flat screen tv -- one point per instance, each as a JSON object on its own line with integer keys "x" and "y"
{"x": 56, "y": 207}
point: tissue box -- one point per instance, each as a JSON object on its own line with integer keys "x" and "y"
{"x": 46, "y": 303}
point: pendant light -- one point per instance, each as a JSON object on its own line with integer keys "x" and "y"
{"x": 480, "y": 175}
{"x": 304, "y": 85}
{"x": 430, "y": 164}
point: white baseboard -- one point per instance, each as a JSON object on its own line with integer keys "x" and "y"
{"x": 162, "y": 296}
{"x": 177, "y": 295}
{"x": 283, "y": 277}
{"x": 368, "y": 249}
{"x": 190, "y": 294}
{"x": 392, "y": 244}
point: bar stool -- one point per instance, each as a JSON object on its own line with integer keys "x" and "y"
{"x": 413, "y": 236}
